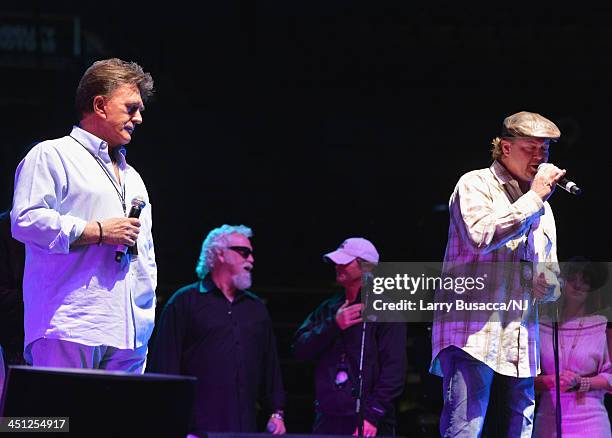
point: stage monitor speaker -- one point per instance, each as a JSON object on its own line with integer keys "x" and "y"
{"x": 102, "y": 403}
{"x": 267, "y": 435}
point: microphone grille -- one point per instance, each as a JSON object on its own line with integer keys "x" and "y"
{"x": 139, "y": 202}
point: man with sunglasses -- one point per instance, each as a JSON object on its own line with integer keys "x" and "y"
{"x": 500, "y": 222}
{"x": 219, "y": 332}
{"x": 332, "y": 335}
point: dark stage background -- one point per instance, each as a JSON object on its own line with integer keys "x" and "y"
{"x": 314, "y": 121}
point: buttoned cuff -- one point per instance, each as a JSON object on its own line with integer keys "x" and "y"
{"x": 373, "y": 414}
{"x": 71, "y": 229}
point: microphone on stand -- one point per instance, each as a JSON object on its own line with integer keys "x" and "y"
{"x": 137, "y": 205}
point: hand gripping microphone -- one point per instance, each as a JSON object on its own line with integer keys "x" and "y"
{"x": 566, "y": 184}
{"x": 137, "y": 205}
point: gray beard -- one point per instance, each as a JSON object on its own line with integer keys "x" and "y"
{"x": 242, "y": 281}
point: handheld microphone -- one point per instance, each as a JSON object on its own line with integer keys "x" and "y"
{"x": 567, "y": 185}
{"x": 137, "y": 205}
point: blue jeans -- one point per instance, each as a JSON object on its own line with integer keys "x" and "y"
{"x": 467, "y": 386}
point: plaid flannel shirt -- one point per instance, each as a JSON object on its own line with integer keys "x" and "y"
{"x": 493, "y": 223}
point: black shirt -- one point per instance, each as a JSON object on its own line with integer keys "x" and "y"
{"x": 229, "y": 346}
{"x": 320, "y": 339}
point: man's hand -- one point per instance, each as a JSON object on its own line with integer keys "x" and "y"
{"x": 348, "y": 316}
{"x": 115, "y": 231}
{"x": 546, "y": 285}
{"x": 368, "y": 429}
{"x": 276, "y": 426}
{"x": 540, "y": 286}
{"x": 120, "y": 231}
{"x": 543, "y": 183}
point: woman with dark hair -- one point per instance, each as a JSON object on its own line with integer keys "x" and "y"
{"x": 585, "y": 370}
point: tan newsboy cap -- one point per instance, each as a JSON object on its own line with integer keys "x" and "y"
{"x": 526, "y": 124}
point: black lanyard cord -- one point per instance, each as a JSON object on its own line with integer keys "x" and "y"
{"x": 120, "y": 193}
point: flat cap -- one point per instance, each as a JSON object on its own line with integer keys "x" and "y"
{"x": 526, "y": 124}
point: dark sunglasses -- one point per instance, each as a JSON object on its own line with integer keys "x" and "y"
{"x": 244, "y": 251}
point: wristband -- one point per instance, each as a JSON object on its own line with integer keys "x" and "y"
{"x": 101, "y": 233}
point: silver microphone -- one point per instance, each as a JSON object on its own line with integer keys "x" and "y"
{"x": 566, "y": 184}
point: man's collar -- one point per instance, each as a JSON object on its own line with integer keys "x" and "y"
{"x": 207, "y": 285}
{"x": 338, "y": 298}
{"x": 501, "y": 173}
{"x": 98, "y": 147}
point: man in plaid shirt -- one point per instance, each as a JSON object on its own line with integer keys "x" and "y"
{"x": 499, "y": 218}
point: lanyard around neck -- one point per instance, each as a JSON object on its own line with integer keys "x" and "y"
{"x": 120, "y": 193}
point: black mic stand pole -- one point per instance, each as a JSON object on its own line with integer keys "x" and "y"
{"x": 358, "y": 406}
{"x": 557, "y": 385}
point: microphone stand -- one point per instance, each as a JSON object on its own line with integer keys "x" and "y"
{"x": 557, "y": 385}
{"x": 358, "y": 406}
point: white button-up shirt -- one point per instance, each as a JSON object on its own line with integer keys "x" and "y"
{"x": 81, "y": 293}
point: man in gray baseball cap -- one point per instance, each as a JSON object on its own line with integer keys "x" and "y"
{"x": 331, "y": 336}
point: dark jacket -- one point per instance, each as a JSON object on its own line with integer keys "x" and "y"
{"x": 320, "y": 339}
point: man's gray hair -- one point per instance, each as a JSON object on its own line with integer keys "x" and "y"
{"x": 214, "y": 242}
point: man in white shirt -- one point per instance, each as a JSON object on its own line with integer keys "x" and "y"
{"x": 85, "y": 307}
